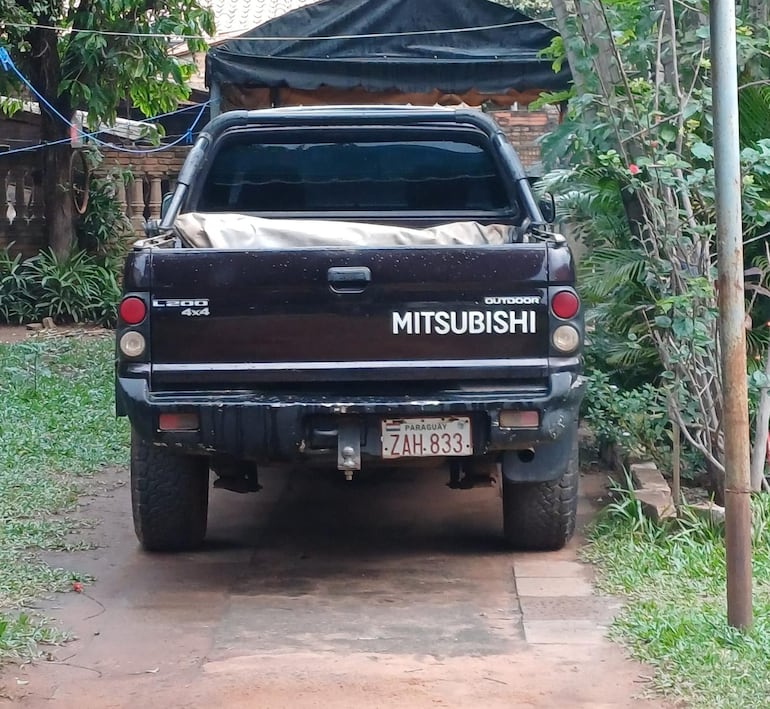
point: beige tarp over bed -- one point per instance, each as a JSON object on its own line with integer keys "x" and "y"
{"x": 241, "y": 231}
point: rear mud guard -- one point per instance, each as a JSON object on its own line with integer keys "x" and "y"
{"x": 547, "y": 461}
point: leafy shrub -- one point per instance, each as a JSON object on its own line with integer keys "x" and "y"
{"x": 16, "y": 302}
{"x": 105, "y": 231}
{"x": 634, "y": 419}
{"x": 71, "y": 289}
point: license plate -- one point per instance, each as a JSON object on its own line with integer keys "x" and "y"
{"x": 426, "y": 437}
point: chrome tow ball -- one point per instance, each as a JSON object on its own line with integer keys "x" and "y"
{"x": 349, "y": 449}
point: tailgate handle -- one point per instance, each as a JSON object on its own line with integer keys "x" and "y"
{"x": 349, "y": 279}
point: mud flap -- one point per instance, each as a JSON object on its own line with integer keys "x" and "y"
{"x": 548, "y": 461}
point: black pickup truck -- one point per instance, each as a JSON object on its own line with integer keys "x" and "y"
{"x": 351, "y": 286}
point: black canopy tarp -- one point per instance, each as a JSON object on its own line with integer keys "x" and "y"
{"x": 392, "y": 45}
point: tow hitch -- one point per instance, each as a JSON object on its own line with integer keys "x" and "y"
{"x": 468, "y": 473}
{"x": 349, "y": 449}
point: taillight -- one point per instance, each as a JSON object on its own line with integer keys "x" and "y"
{"x": 565, "y": 305}
{"x": 565, "y": 339}
{"x": 132, "y": 310}
{"x": 132, "y": 344}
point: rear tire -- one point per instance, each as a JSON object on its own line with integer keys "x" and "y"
{"x": 169, "y": 496}
{"x": 541, "y": 516}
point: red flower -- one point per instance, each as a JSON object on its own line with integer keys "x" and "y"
{"x": 634, "y": 169}
{"x": 77, "y": 587}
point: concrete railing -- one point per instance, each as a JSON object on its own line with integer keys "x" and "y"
{"x": 22, "y": 220}
{"x": 141, "y": 197}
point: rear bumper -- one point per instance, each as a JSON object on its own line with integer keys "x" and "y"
{"x": 270, "y": 427}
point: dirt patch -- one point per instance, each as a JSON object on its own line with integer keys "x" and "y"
{"x": 11, "y": 334}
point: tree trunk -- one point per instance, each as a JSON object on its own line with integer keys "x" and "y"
{"x": 45, "y": 75}
{"x": 55, "y": 183}
{"x": 58, "y": 199}
{"x": 582, "y": 21}
{"x": 597, "y": 34}
{"x": 564, "y": 11}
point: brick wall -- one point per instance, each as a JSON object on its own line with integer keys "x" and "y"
{"x": 164, "y": 163}
{"x": 524, "y": 128}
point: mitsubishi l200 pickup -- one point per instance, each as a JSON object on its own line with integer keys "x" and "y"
{"x": 351, "y": 286}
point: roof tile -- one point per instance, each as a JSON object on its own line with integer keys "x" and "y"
{"x": 234, "y": 17}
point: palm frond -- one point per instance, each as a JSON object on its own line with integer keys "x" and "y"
{"x": 754, "y": 106}
{"x": 604, "y": 270}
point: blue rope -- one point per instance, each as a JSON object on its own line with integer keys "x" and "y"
{"x": 7, "y": 64}
{"x": 186, "y": 138}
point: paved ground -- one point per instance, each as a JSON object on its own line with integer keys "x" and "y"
{"x": 316, "y": 593}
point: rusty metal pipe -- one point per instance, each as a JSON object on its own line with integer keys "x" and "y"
{"x": 732, "y": 313}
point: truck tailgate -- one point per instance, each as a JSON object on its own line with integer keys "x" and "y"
{"x": 230, "y": 319}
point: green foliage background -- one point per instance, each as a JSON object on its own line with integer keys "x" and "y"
{"x": 96, "y": 71}
{"x": 632, "y": 165}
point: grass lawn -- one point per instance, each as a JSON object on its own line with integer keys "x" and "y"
{"x": 675, "y": 617}
{"x": 57, "y": 428}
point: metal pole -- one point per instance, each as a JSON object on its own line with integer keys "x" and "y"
{"x": 732, "y": 313}
{"x": 215, "y": 96}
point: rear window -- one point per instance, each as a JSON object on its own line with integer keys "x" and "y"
{"x": 409, "y": 175}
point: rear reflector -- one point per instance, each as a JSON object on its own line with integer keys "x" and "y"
{"x": 132, "y": 310}
{"x": 519, "y": 419}
{"x": 565, "y": 305}
{"x": 178, "y": 422}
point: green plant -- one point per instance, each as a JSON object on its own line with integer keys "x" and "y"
{"x": 95, "y": 55}
{"x": 636, "y": 420}
{"x": 639, "y": 192}
{"x": 16, "y": 303}
{"x": 25, "y": 367}
{"x": 21, "y": 635}
{"x": 71, "y": 289}
{"x": 105, "y": 231}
